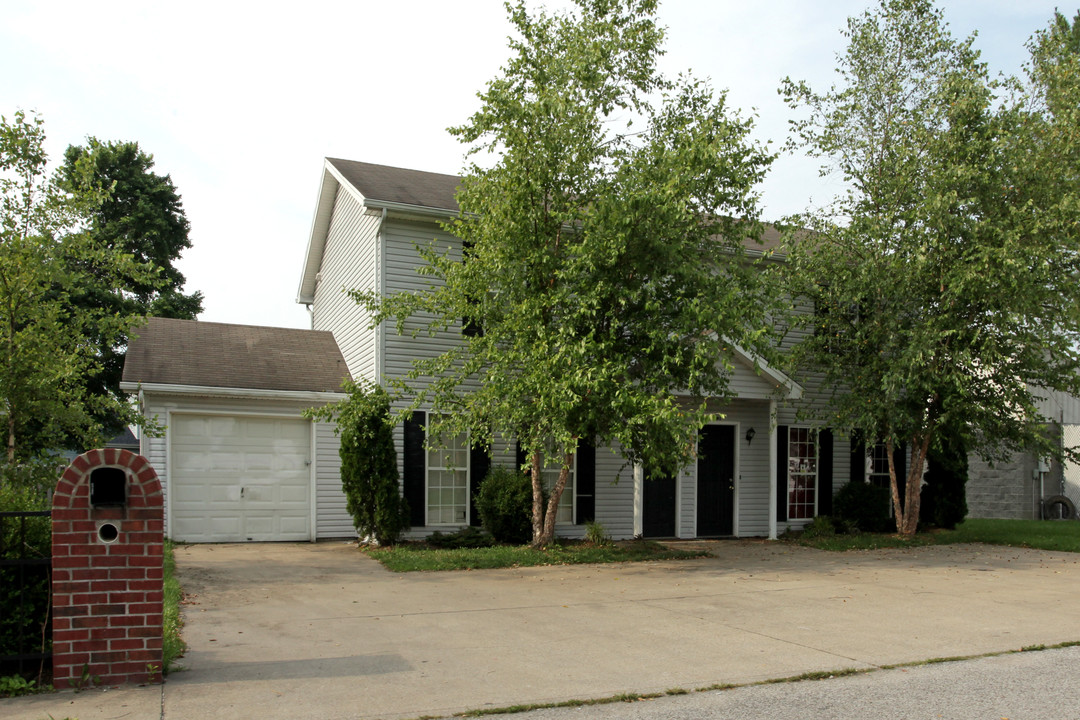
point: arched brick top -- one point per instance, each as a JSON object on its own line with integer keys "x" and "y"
{"x": 144, "y": 488}
{"x": 107, "y": 588}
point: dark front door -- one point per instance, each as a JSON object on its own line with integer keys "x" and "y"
{"x": 716, "y": 481}
{"x": 659, "y": 510}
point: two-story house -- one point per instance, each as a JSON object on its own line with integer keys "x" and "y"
{"x": 758, "y": 470}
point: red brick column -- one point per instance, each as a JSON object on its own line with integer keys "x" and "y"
{"x": 107, "y": 575}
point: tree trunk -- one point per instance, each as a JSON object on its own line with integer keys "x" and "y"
{"x": 894, "y": 490}
{"x": 920, "y": 446}
{"x": 537, "y": 501}
{"x": 907, "y": 517}
{"x": 11, "y": 437}
{"x": 547, "y": 530}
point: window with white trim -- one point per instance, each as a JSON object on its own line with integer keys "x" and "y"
{"x": 448, "y": 481}
{"x": 802, "y": 473}
{"x": 877, "y": 465}
{"x": 550, "y": 476}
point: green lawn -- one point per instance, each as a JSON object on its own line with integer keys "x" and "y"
{"x": 1061, "y": 535}
{"x": 410, "y": 557}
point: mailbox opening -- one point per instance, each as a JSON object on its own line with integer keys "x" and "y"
{"x": 108, "y": 532}
{"x": 108, "y": 487}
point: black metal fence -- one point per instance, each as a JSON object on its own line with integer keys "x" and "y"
{"x": 25, "y": 594}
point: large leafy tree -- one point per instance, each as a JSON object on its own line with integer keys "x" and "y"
{"x": 944, "y": 279}
{"x": 141, "y": 215}
{"x": 44, "y": 356}
{"x": 604, "y": 282}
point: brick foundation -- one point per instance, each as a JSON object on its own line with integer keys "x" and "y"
{"x": 107, "y": 575}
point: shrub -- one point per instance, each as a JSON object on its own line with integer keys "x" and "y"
{"x": 24, "y": 595}
{"x": 944, "y": 501}
{"x": 466, "y": 537}
{"x": 821, "y": 526}
{"x": 369, "y": 476}
{"x": 37, "y": 476}
{"x": 596, "y": 534}
{"x": 504, "y": 503}
{"x": 863, "y": 505}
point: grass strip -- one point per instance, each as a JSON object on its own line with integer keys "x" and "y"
{"x": 173, "y": 645}
{"x": 808, "y": 676}
{"x": 409, "y": 557}
{"x": 1057, "y": 536}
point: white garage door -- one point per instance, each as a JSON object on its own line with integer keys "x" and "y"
{"x": 239, "y": 479}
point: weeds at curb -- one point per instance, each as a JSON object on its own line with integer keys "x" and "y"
{"x": 720, "y": 687}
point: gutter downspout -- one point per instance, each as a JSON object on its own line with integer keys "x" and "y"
{"x": 380, "y": 285}
{"x": 772, "y": 469}
{"x": 142, "y": 413}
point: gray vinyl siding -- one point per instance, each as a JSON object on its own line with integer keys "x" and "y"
{"x": 350, "y": 262}
{"x": 1058, "y": 407}
{"x": 331, "y": 517}
{"x": 400, "y": 242}
{"x": 614, "y": 493}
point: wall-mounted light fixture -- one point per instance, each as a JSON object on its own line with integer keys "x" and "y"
{"x": 750, "y": 435}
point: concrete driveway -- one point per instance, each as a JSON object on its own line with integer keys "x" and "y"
{"x": 321, "y": 631}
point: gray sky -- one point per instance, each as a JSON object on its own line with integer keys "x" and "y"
{"x": 240, "y": 102}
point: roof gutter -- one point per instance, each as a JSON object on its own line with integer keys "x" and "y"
{"x": 247, "y": 393}
{"x": 406, "y": 209}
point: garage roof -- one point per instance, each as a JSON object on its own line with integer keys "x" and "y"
{"x": 206, "y": 354}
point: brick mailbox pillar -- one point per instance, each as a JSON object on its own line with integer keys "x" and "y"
{"x": 107, "y": 539}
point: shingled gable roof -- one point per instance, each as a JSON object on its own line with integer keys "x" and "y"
{"x": 381, "y": 187}
{"x": 381, "y": 184}
{"x": 216, "y": 355}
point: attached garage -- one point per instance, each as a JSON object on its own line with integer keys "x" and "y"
{"x": 239, "y": 479}
{"x": 238, "y": 461}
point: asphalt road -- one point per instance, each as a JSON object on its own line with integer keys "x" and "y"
{"x": 1042, "y": 685}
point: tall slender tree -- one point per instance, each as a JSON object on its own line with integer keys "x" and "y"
{"x": 944, "y": 278}
{"x": 44, "y": 356}
{"x": 603, "y": 251}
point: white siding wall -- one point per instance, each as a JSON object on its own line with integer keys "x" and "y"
{"x": 614, "y": 493}
{"x": 397, "y": 249}
{"x": 331, "y": 517}
{"x": 350, "y": 262}
{"x": 400, "y": 242}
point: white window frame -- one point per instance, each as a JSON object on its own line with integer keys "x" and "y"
{"x": 429, "y": 468}
{"x": 551, "y": 470}
{"x": 811, "y": 441}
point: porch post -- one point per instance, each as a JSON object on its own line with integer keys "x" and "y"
{"x": 772, "y": 469}
{"x": 639, "y": 500}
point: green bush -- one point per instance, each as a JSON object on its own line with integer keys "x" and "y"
{"x": 37, "y": 476}
{"x": 864, "y": 506}
{"x": 504, "y": 503}
{"x": 23, "y": 613}
{"x": 820, "y": 526}
{"x": 944, "y": 499}
{"x": 369, "y": 476}
{"x": 596, "y": 534}
{"x": 467, "y": 537}
{"x": 15, "y": 685}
